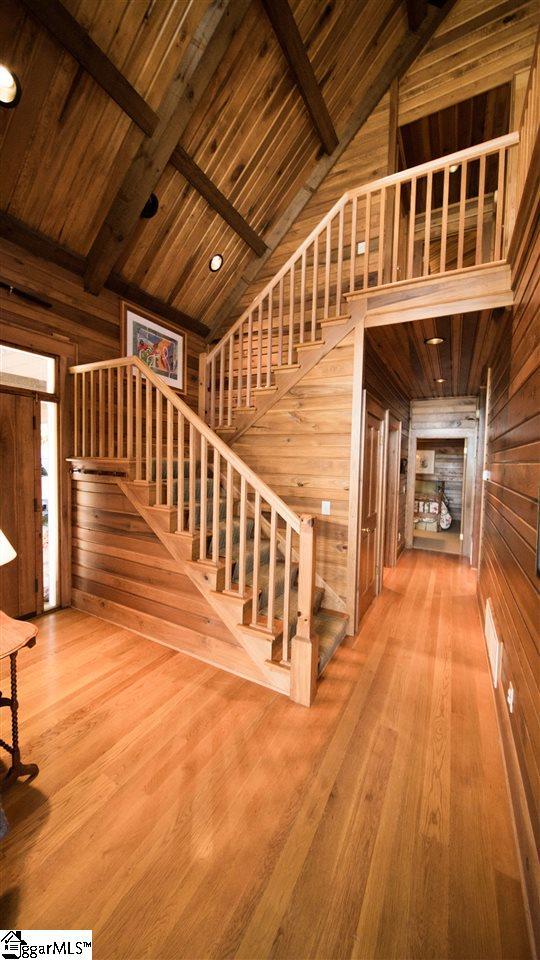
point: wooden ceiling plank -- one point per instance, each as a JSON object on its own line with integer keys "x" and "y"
{"x": 216, "y": 199}
{"x": 288, "y": 35}
{"x": 395, "y": 67}
{"x": 211, "y": 40}
{"x": 59, "y": 22}
{"x": 41, "y": 246}
{"x": 416, "y": 11}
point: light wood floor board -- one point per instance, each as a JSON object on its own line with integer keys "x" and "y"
{"x": 182, "y": 812}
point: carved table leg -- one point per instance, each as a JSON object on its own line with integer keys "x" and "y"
{"x": 17, "y": 769}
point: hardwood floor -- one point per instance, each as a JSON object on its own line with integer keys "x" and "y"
{"x": 183, "y": 812}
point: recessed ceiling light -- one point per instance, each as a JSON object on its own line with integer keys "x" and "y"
{"x": 216, "y": 263}
{"x": 150, "y": 208}
{"x": 434, "y": 341}
{"x": 440, "y": 380}
{"x": 454, "y": 167}
{"x": 10, "y": 88}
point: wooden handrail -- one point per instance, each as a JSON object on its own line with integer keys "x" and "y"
{"x": 433, "y": 166}
{"x": 204, "y": 430}
{"x": 459, "y": 156}
{"x": 369, "y": 237}
{"x": 328, "y": 217}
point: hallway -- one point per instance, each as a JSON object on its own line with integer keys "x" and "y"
{"x": 376, "y": 824}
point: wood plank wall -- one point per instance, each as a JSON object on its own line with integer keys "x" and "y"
{"x": 92, "y": 323}
{"x": 365, "y": 159}
{"x": 508, "y": 550}
{"x": 301, "y": 448}
{"x": 476, "y": 48}
{"x": 122, "y": 572}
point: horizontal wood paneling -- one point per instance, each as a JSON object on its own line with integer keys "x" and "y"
{"x": 122, "y": 573}
{"x": 92, "y": 323}
{"x": 301, "y": 448}
{"x": 476, "y": 48}
{"x": 508, "y": 561}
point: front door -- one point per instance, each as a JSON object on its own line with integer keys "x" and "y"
{"x": 372, "y": 480}
{"x": 21, "y": 591}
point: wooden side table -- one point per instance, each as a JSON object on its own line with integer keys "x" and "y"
{"x": 14, "y": 635}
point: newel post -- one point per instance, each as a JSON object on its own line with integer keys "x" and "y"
{"x": 305, "y": 645}
{"x": 202, "y": 407}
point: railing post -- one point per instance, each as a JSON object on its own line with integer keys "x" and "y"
{"x": 202, "y": 408}
{"x": 305, "y": 645}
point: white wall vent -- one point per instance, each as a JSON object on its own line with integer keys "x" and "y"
{"x": 494, "y": 645}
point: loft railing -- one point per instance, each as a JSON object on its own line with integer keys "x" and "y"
{"x": 429, "y": 220}
{"x": 124, "y": 411}
{"x": 530, "y": 122}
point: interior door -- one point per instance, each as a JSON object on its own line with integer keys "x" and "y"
{"x": 372, "y": 482}
{"x": 21, "y": 591}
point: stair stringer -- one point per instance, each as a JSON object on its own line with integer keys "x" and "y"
{"x": 333, "y": 331}
{"x": 254, "y": 642}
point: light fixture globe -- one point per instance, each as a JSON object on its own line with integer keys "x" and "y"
{"x": 10, "y": 88}
{"x": 434, "y": 341}
{"x": 216, "y": 263}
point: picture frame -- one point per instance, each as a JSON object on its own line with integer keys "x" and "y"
{"x": 425, "y": 461}
{"x": 160, "y": 346}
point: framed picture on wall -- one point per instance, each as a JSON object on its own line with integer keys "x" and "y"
{"x": 159, "y": 346}
{"x": 425, "y": 461}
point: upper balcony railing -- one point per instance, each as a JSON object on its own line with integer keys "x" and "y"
{"x": 433, "y": 219}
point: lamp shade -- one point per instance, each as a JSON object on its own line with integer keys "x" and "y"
{"x": 7, "y": 553}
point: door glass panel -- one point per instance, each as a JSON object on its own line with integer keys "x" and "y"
{"x": 49, "y": 501}
{"x": 29, "y": 371}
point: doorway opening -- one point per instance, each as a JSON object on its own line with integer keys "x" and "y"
{"x": 29, "y": 479}
{"x": 438, "y": 495}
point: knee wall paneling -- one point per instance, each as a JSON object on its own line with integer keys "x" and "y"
{"x": 122, "y": 573}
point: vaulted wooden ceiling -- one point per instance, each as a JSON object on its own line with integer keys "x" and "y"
{"x": 257, "y": 90}
{"x": 469, "y": 343}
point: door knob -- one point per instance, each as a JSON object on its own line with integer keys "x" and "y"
{"x": 366, "y": 529}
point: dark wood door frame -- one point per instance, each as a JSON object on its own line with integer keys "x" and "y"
{"x": 65, "y": 353}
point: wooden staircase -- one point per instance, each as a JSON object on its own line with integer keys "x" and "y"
{"x": 249, "y": 555}
{"x": 381, "y": 253}
{"x": 381, "y": 242}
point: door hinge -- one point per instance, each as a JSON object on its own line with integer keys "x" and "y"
{"x": 36, "y": 585}
{"x": 36, "y": 505}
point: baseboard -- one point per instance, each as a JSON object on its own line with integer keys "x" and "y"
{"x": 526, "y": 844}
{"x": 521, "y": 817}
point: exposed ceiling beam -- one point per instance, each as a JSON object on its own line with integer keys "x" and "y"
{"x": 155, "y": 152}
{"x": 397, "y": 64}
{"x": 416, "y": 11}
{"x": 52, "y": 15}
{"x": 41, "y": 246}
{"x": 288, "y": 35}
{"x": 216, "y": 199}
